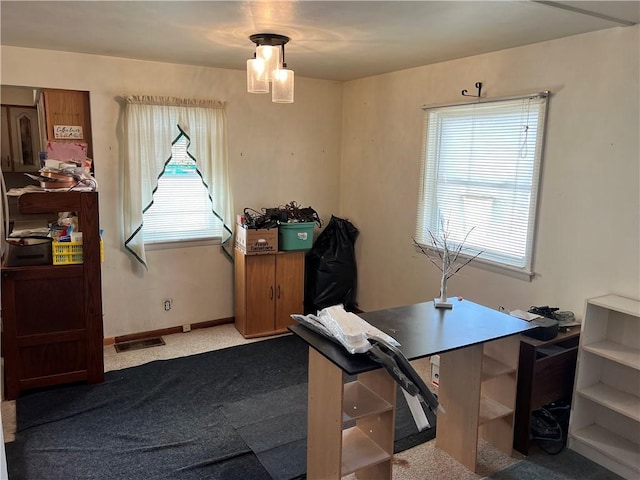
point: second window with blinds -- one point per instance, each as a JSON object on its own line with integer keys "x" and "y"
{"x": 480, "y": 172}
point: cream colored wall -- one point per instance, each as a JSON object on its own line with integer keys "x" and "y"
{"x": 588, "y": 238}
{"x": 277, "y": 154}
{"x": 589, "y": 208}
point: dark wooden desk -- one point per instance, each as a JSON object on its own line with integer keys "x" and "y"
{"x": 545, "y": 374}
{"x": 478, "y": 350}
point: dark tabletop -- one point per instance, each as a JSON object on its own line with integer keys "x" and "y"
{"x": 422, "y": 331}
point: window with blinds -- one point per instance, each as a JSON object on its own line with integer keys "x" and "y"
{"x": 481, "y": 167}
{"x": 181, "y": 208}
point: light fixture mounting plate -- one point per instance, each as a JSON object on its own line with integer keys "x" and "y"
{"x": 271, "y": 39}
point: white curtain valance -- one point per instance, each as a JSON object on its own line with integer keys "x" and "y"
{"x": 173, "y": 101}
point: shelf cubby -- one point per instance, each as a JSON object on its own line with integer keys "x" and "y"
{"x": 360, "y": 401}
{"x": 360, "y": 451}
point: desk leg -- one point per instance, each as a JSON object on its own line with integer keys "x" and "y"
{"x": 459, "y": 394}
{"x": 324, "y": 422}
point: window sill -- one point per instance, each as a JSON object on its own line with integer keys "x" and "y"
{"x": 201, "y": 242}
{"x": 519, "y": 273}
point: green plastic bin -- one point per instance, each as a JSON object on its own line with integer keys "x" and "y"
{"x": 295, "y": 236}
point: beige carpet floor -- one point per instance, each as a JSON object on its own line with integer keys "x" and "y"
{"x": 425, "y": 461}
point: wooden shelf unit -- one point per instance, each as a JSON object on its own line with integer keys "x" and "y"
{"x": 478, "y": 392}
{"x": 350, "y": 425}
{"x": 52, "y": 314}
{"x": 605, "y": 415}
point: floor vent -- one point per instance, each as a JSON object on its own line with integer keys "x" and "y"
{"x": 138, "y": 344}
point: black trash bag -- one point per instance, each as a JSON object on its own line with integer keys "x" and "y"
{"x": 330, "y": 268}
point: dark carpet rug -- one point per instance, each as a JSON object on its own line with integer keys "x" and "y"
{"x": 232, "y": 414}
{"x": 567, "y": 465}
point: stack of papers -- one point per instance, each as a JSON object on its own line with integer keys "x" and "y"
{"x": 521, "y": 314}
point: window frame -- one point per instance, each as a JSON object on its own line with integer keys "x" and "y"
{"x": 428, "y": 211}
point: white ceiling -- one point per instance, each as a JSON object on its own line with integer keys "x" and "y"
{"x": 332, "y": 40}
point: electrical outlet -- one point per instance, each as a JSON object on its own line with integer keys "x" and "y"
{"x": 167, "y": 304}
{"x": 186, "y": 328}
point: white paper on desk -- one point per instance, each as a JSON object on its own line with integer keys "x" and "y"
{"x": 521, "y": 314}
{"x": 415, "y": 407}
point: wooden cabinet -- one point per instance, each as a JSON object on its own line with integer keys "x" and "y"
{"x": 350, "y": 425}
{"x": 545, "y": 375}
{"x": 605, "y": 414}
{"x": 52, "y": 314}
{"x": 20, "y": 139}
{"x": 268, "y": 289}
{"x": 478, "y": 391}
{"x": 71, "y": 108}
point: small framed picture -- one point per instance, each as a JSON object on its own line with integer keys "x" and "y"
{"x": 68, "y": 132}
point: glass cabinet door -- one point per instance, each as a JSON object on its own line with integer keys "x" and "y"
{"x": 25, "y": 139}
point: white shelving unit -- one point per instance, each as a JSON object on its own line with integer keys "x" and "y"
{"x": 605, "y": 413}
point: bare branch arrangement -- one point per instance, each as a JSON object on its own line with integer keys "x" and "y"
{"x": 446, "y": 258}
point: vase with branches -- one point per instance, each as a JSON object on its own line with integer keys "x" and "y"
{"x": 448, "y": 257}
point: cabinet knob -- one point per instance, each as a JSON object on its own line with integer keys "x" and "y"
{"x": 271, "y": 292}
{"x": 278, "y": 291}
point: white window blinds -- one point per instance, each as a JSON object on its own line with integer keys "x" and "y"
{"x": 181, "y": 208}
{"x": 481, "y": 165}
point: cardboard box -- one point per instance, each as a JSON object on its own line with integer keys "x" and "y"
{"x": 256, "y": 241}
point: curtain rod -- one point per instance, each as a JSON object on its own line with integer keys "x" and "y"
{"x": 542, "y": 94}
{"x": 171, "y": 101}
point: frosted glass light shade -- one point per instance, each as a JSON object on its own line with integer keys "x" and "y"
{"x": 271, "y": 57}
{"x": 256, "y": 78}
{"x": 282, "y": 88}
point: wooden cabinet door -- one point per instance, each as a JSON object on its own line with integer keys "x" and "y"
{"x": 45, "y": 340}
{"x": 289, "y": 288}
{"x": 68, "y": 107}
{"x": 260, "y": 278}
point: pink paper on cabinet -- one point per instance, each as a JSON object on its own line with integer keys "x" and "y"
{"x": 67, "y": 151}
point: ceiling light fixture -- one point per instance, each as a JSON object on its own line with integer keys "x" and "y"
{"x": 268, "y": 65}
